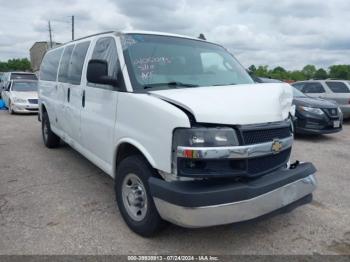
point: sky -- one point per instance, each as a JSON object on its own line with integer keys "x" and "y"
{"x": 288, "y": 33}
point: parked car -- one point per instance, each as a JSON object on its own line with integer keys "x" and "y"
{"x": 315, "y": 115}
{"x": 8, "y": 76}
{"x": 335, "y": 90}
{"x": 179, "y": 125}
{"x": 312, "y": 115}
{"x": 21, "y": 96}
{"x": 2, "y": 77}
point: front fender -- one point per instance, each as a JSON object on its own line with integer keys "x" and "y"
{"x": 147, "y": 123}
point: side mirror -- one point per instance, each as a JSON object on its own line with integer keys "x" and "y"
{"x": 7, "y": 87}
{"x": 97, "y": 73}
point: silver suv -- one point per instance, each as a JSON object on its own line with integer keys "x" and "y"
{"x": 335, "y": 90}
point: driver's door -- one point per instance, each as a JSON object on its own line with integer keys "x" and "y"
{"x": 99, "y": 107}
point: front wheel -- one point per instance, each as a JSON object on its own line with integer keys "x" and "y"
{"x": 10, "y": 108}
{"x": 133, "y": 196}
{"x": 51, "y": 140}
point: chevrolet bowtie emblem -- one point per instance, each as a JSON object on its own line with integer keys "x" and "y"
{"x": 276, "y": 146}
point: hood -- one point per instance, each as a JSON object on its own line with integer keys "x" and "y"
{"x": 233, "y": 105}
{"x": 25, "y": 95}
{"x": 314, "y": 102}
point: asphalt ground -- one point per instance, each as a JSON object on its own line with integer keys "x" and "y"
{"x": 57, "y": 202}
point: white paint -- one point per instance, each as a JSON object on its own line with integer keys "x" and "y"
{"x": 147, "y": 121}
{"x": 237, "y": 104}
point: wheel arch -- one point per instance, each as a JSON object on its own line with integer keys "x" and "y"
{"x": 126, "y": 147}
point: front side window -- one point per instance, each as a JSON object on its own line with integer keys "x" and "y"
{"x": 106, "y": 49}
{"x": 338, "y": 87}
{"x": 315, "y": 87}
{"x": 25, "y": 86}
{"x": 164, "y": 62}
{"x": 49, "y": 66}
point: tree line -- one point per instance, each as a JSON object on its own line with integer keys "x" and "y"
{"x": 17, "y": 64}
{"x": 308, "y": 72}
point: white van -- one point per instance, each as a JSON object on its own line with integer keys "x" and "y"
{"x": 178, "y": 123}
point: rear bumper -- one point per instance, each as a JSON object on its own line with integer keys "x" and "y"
{"x": 201, "y": 204}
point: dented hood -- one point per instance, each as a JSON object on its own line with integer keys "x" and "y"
{"x": 235, "y": 104}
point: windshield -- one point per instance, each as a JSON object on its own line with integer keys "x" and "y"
{"x": 164, "y": 62}
{"x": 297, "y": 93}
{"x": 25, "y": 86}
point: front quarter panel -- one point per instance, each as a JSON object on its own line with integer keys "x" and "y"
{"x": 148, "y": 123}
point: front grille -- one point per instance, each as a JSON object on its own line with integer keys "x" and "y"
{"x": 260, "y": 165}
{"x": 256, "y": 136}
{"x": 232, "y": 167}
{"x": 331, "y": 112}
{"x": 33, "y": 101}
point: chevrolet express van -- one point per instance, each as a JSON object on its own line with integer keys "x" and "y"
{"x": 178, "y": 123}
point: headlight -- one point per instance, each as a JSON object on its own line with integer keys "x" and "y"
{"x": 19, "y": 100}
{"x": 205, "y": 137}
{"x": 339, "y": 110}
{"x": 313, "y": 110}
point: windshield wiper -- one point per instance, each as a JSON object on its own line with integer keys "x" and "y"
{"x": 229, "y": 84}
{"x": 173, "y": 83}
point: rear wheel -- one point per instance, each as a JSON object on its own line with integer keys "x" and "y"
{"x": 133, "y": 197}
{"x": 51, "y": 140}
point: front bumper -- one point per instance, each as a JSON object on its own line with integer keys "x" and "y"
{"x": 208, "y": 203}
{"x": 25, "y": 108}
{"x": 307, "y": 123}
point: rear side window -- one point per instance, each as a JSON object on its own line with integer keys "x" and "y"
{"x": 49, "y": 66}
{"x": 23, "y": 76}
{"x": 105, "y": 49}
{"x": 338, "y": 87}
{"x": 315, "y": 87}
{"x": 77, "y": 62}
{"x": 63, "y": 71}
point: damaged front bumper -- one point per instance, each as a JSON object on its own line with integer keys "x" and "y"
{"x": 209, "y": 202}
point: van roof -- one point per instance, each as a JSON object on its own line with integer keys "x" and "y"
{"x": 130, "y": 32}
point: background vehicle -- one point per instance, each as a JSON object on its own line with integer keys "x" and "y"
{"x": 8, "y": 76}
{"x": 167, "y": 117}
{"x": 335, "y": 90}
{"x": 315, "y": 115}
{"x": 21, "y": 96}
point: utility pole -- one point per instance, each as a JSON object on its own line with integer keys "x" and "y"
{"x": 72, "y": 27}
{"x": 50, "y": 34}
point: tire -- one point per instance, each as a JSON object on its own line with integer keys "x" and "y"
{"x": 51, "y": 140}
{"x": 10, "y": 108}
{"x": 132, "y": 177}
